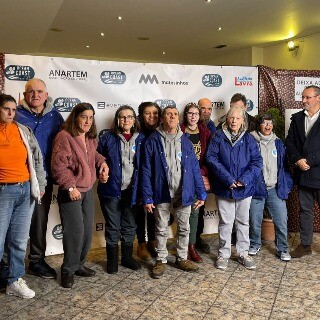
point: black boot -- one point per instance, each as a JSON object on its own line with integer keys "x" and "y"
{"x": 127, "y": 260}
{"x": 112, "y": 259}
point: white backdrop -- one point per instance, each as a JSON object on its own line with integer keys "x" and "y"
{"x": 108, "y": 85}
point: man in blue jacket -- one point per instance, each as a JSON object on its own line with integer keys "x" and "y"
{"x": 170, "y": 180}
{"x": 303, "y": 147}
{"x": 36, "y": 111}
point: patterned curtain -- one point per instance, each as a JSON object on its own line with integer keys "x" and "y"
{"x": 2, "y": 56}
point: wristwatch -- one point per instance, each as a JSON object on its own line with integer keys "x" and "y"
{"x": 71, "y": 189}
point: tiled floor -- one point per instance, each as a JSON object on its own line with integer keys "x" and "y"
{"x": 275, "y": 290}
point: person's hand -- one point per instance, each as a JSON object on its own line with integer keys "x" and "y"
{"x": 75, "y": 194}
{"x": 206, "y": 183}
{"x": 234, "y": 185}
{"x": 149, "y": 207}
{"x": 239, "y": 184}
{"x": 303, "y": 165}
{"x": 41, "y": 194}
{"x": 198, "y": 204}
{"x": 103, "y": 173}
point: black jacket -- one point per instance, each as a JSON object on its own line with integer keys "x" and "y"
{"x": 301, "y": 147}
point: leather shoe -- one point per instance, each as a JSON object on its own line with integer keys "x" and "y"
{"x": 85, "y": 272}
{"x": 301, "y": 251}
{"x": 193, "y": 255}
{"x": 42, "y": 269}
{"x": 67, "y": 279}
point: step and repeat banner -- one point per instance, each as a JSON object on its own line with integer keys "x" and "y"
{"x": 108, "y": 85}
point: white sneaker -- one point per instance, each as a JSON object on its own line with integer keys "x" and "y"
{"x": 20, "y": 289}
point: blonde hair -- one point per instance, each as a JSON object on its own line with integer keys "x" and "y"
{"x": 242, "y": 112}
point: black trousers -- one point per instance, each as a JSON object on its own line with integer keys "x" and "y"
{"x": 77, "y": 223}
{"x": 38, "y": 227}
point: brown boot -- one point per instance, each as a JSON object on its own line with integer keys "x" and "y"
{"x": 143, "y": 253}
{"x": 152, "y": 248}
{"x": 301, "y": 251}
{"x": 193, "y": 255}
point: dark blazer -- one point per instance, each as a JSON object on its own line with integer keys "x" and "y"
{"x": 301, "y": 147}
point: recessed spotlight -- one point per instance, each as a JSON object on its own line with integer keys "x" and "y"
{"x": 119, "y": 18}
{"x": 220, "y": 28}
{"x": 208, "y": 0}
{"x": 102, "y": 34}
{"x": 163, "y": 52}
{"x": 87, "y": 46}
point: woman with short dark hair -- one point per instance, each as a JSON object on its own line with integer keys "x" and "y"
{"x": 74, "y": 163}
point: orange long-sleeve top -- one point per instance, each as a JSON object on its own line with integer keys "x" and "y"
{"x": 13, "y": 155}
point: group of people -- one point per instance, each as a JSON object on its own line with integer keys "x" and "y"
{"x": 149, "y": 167}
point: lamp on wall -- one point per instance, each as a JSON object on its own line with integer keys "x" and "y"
{"x": 293, "y": 47}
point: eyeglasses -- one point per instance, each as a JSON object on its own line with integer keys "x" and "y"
{"x": 267, "y": 123}
{"x": 191, "y": 114}
{"x": 307, "y": 97}
{"x": 124, "y": 118}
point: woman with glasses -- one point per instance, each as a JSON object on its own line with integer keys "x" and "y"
{"x": 74, "y": 164}
{"x": 272, "y": 188}
{"x": 118, "y": 197}
{"x": 199, "y": 135}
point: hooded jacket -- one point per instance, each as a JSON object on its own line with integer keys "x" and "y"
{"x": 229, "y": 163}
{"x": 35, "y": 164}
{"x": 45, "y": 127}
{"x": 284, "y": 180}
{"x": 155, "y": 175}
{"x": 110, "y": 147}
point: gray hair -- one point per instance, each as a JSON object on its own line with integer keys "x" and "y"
{"x": 242, "y": 112}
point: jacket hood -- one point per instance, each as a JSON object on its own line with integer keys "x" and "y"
{"x": 163, "y": 134}
{"x": 259, "y": 137}
{"x": 48, "y": 105}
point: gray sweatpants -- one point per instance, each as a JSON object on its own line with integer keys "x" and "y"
{"x": 233, "y": 211}
{"x": 181, "y": 215}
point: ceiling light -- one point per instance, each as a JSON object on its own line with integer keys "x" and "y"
{"x": 220, "y": 28}
{"x": 208, "y": 0}
{"x": 163, "y": 52}
{"x": 88, "y": 46}
{"x": 119, "y": 18}
{"x": 292, "y": 46}
{"x": 102, "y": 34}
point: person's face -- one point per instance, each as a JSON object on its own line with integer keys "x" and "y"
{"x": 126, "y": 120}
{"x": 206, "y": 110}
{"x": 234, "y": 121}
{"x": 35, "y": 94}
{"x": 170, "y": 120}
{"x": 266, "y": 127}
{"x": 311, "y": 102}
{"x": 193, "y": 116}
{"x": 84, "y": 121}
{"x": 150, "y": 117}
{"x": 7, "y": 112}
{"x": 239, "y": 104}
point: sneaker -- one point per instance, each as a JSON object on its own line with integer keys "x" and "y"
{"x": 158, "y": 269}
{"x": 283, "y": 255}
{"x": 186, "y": 265}
{"x": 247, "y": 261}
{"x": 42, "y": 269}
{"x": 253, "y": 251}
{"x": 222, "y": 263}
{"x": 20, "y": 289}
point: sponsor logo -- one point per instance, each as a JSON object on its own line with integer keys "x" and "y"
{"x": 162, "y": 103}
{"x": 19, "y": 73}
{"x": 243, "y": 81}
{"x": 57, "y": 232}
{"x": 107, "y": 105}
{"x": 179, "y": 156}
{"x": 249, "y": 105}
{"x": 211, "y": 214}
{"x": 218, "y": 105}
{"x": 274, "y": 152}
{"x": 134, "y": 148}
{"x": 212, "y": 80}
{"x": 153, "y": 79}
{"x": 99, "y": 226}
{"x": 63, "y": 104}
{"x": 75, "y": 75}
{"x": 149, "y": 78}
{"x": 113, "y": 77}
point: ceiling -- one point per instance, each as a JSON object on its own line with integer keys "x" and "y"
{"x": 186, "y": 30}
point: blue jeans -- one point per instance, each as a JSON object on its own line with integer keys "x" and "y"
{"x": 16, "y": 207}
{"x": 278, "y": 211}
{"x": 120, "y": 218}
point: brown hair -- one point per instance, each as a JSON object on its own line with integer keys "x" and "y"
{"x": 71, "y": 124}
{"x": 115, "y": 125}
